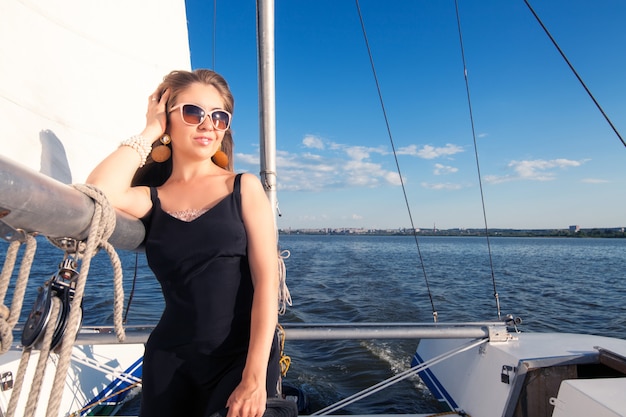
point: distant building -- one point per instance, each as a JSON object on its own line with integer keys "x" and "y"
{"x": 574, "y": 229}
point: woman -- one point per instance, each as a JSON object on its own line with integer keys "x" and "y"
{"x": 211, "y": 243}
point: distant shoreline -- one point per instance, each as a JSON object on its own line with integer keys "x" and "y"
{"x": 613, "y": 232}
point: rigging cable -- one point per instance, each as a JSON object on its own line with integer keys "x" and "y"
{"x": 480, "y": 182}
{"x": 132, "y": 290}
{"x": 556, "y": 45}
{"x": 382, "y": 105}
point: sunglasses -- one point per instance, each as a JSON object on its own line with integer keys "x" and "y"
{"x": 194, "y": 115}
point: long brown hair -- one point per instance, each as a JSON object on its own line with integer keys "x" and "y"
{"x": 155, "y": 174}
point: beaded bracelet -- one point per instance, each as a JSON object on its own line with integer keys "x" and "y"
{"x": 139, "y": 144}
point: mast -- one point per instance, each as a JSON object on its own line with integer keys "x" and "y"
{"x": 267, "y": 99}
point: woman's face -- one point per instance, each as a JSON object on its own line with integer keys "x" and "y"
{"x": 199, "y": 141}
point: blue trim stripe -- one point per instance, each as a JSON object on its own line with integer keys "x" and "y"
{"x": 434, "y": 385}
{"x": 116, "y": 385}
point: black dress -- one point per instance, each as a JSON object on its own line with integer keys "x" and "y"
{"x": 195, "y": 356}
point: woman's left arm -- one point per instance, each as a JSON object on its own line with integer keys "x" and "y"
{"x": 249, "y": 398}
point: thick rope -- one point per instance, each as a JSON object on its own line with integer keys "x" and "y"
{"x": 284, "y": 297}
{"x": 102, "y": 226}
{"x": 108, "y": 224}
{"x": 6, "y": 332}
{"x": 118, "y": 291}
{"x": 9, "y": 317}
{"x": 7, "y": 268}
{"x": 284, "y": 361}
{"x": 40, "y": 371}
{"x": 19, "y": 382}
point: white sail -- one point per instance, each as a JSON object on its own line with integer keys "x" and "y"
{"x": 75, "y": 76}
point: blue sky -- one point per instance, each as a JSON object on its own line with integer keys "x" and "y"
{"x": 547, "y": 157}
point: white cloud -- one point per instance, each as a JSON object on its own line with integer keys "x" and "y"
{"x": 358, "y": 153}
{"x": 444, "y": 169}
{"x": 595, "y": 181}
{"x": 247, "y": 159}
{"x": 441, "y": 186}
{"x": 364, "y": 174}
{"x": 534, "y": 170}
{"x": 408, "y": 150}
{"x": 429, "y": 151}
{"x": 361, "y": 152}
{"x": 327, "y": 165}
{"x": 393, "y": 178}
{"x": 497, "y": 179}
{"x": 331, "y": 165}
{"x": 311, "y": 141}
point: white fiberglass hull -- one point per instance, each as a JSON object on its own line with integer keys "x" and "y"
{"x": 95, "y": 373}
{"x": 523, "y": 375}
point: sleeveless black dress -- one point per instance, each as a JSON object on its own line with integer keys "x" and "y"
{"x": 195, "y": 355}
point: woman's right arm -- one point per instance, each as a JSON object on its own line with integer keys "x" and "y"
{"x": 113, "y": 177}
{"x": 114, "y": 174}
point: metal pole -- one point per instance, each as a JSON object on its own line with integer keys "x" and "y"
{"x": 330, "y": 331}
{"x": 362, "y": 332}
{"x": 267, "y": 98}
{"x": 33, "y": 202}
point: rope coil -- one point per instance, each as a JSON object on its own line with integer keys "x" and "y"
{"x": 101, "y": 228}
{"x": 10, "y": 316}
{"x": 284, "y": 296}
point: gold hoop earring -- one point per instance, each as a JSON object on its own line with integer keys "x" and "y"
{"x": 162, "y": 152}
{"x": 220, "y": 159}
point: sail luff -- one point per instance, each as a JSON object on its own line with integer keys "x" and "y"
{"x": 74, "y": 88}
{"x": 70, "y": 92}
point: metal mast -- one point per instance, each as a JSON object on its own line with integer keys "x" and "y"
{"x": 267, "y": 98}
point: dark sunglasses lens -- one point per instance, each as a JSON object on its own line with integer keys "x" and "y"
{"x": 193, "y": 114}
{"x": 220, "y": 119}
